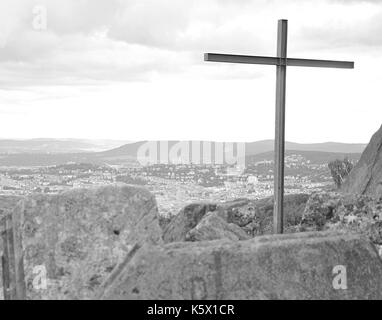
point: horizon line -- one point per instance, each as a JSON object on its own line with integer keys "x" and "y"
{"x": 128, "y": 141}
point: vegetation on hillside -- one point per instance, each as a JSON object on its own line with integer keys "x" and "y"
{"x": 340, "y": 169}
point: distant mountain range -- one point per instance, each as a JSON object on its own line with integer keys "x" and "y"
{"x": 315, "y": 157}
{"x": 47, "y": 146}
{"x": 44, "y": 152}
{"x": 337, "y": 147}
{"x": 257, "y": 147}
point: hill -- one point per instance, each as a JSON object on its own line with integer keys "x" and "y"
{"x": 127, "y": 153}
{"x": 337, "y": 147}
{"x": 48, "y": 146}
{"x": 257, "y": 147}
{"x": 315, "y": 157}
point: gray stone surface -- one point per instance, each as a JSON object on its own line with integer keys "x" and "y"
{"x": 253, "y": 217}
{"x": 213, "y": 227}
{"x": 79, "y": 236}
{"x": 336, "y": 211}
{"x": 7, "y": 204}
{"x": 292, "y": 266}
{"x": 366, "y": 176}
{"x": 185, "y": 220}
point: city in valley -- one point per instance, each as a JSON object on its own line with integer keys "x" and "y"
{"x": 174, "y": 185}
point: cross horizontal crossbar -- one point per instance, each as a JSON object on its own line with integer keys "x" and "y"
{"x": 234, "y": 58}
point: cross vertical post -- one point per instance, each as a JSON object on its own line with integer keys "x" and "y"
{"x": 278, "y": 212}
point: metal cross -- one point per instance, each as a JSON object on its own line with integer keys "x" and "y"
{"x": 281, "y": 62}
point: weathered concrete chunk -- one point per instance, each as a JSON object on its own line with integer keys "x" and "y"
{"x": 76, "y": 238}
{"x": 366, "y": 176}
{"x": 317, "y": 265}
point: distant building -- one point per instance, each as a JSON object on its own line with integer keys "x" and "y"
{"x": 252, "y": 180}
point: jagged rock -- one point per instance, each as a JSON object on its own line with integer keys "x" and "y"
{"x": 253, "y": 217}
{"x": 230, "y": 211}
{"x": 79, "y": 236}
{"x": 164, "y": 221}
{"x": 213, "y": 227}
{"x": 256, "y": 217}
{"x": 185, "y": 220}
{"x": 320, "y": 208}
{"x": 366, "y": 176}
{"x": 357, "y": 213}
{"x": 8, "y": 203}
{"x": 293, "y": 266}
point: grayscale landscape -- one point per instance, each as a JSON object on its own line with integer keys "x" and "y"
{"x": 166, "y": 150}
{"x": 35, "y": 166}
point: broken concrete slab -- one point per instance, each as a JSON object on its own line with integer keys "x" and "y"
{"x": 317, "y": 265}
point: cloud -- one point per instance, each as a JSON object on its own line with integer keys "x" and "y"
{"x": 85, "y": 60}
{"x": 133, "y": 40}
{"x": 115, "y": 40}
{"x": 364, "y": 30}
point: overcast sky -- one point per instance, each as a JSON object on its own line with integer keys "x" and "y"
{"x": 134, "y": 69}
